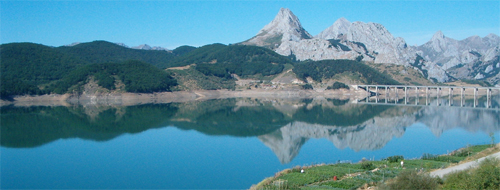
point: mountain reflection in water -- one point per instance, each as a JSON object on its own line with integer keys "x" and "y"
{"x": 282, "y": 125}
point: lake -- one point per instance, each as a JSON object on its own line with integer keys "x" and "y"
{"x": 220, "y": 144}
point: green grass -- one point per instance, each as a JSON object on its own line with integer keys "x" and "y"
{"x": 316, "y": 174}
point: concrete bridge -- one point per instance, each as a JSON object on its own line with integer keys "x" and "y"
{"x": 428, "y": 92}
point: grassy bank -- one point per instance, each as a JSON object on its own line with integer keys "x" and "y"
{"x": 369, "y": 173}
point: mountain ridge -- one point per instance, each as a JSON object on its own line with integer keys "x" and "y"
{"x": 373, "y": 43}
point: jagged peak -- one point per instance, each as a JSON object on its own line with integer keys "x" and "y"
{"x": 438, "y": 36}
{"x": 284, "y": 27}
{"x": 285, "y": 22}
{"x": 342, "y": 20}
{"x": 492, "y": 36}
{"x": 285, "y": 13}
{"x": 339, "y": 27}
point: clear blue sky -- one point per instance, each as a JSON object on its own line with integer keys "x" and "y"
{"x": 174, "y": 23}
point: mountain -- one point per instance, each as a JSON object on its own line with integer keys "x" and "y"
{"x": 441, "y": 59}
{"x": 472, "y": 58}
{"x": 343, "y": 40}
{"x": 285, "y": 27}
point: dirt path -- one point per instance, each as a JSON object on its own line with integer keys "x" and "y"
{"x": 442, "y": 172}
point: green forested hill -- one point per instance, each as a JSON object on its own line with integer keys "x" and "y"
{"x": 105, "y": 52}
{"x": 24, "y": 66}
{"x": 190, "y": 56}
{"x": 34, "y": 63}
{"x": 28, "y": 68}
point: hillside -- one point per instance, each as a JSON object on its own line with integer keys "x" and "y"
{"x": 136, "y": 77}
{"x": 24, "y": 66}
{"x": 327, "y": 69}
{"x": 35, "y": 63}
{"x": 29, "y": 68}
{"x": 218, "y": 66}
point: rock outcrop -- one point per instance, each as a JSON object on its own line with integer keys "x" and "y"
{"x": 147, "y": 47}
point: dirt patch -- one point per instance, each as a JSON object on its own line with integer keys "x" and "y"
{"x": 179, "y": 68}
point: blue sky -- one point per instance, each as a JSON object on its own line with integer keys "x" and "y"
{"x": 174, "y": 23}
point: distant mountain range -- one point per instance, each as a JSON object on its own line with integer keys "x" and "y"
{"x": 141, "y": 47}
{"x": 441, "y": 59}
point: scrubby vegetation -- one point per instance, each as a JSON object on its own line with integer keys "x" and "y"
{"x": 411, "y": 179}
{"x": 337, "y": 85}
{"x": 479, "y": 82}
{"x": 326, "y": 69}
{"x": 486, "y": 176}
{"x": 388, "y": 174}
{"x": 192, "y": 79}
{"x": 307, "y": 87}
{"x": 245, "y": 61}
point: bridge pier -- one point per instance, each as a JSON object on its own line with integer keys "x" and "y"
{"x": 406, "y": 95}
{"x": 488, "y": 96}
{"x": 475, "y": 95}
{"x": 416, "y": 95}
{"x": 462, "y": 97}
{"x": 450, "y": 96}
{"x": 438, "y": 90}
{"x": 386, "y": 94}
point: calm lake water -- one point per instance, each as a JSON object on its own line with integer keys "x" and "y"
{"x": 219, "y": 144}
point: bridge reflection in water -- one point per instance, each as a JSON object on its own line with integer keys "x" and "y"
{"x": 481, "y": 97}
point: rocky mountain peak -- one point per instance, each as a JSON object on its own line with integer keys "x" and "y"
{"x": 143, "y": 47}
{"x": 284, "y": 27}
{"x": 339, "y": 27}
{"x": 438, "y": 36}
{"x": 492, "y": 40}
{"x": 286, "y": 22}
{"x": 440, "y": 43}
{"x": 492, "y": 37}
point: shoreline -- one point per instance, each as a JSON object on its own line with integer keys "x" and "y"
{"x": 129, "y": 99}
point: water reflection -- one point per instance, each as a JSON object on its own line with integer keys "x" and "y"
{"x": 282, "y": 125}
